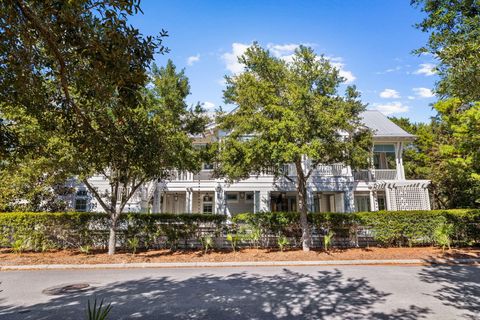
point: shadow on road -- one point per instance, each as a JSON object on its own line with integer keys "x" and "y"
{"x": 460, "y": 286}
{"x": 285, "y": 295}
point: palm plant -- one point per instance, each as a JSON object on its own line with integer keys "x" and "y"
{"x": 98, "y": 312}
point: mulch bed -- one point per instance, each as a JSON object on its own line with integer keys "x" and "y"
{"x": 7, "y": 257}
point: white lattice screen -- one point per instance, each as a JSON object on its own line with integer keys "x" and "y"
{"x": 409, "y": 198}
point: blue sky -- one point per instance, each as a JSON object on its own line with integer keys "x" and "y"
{"x": 369, "y": 41}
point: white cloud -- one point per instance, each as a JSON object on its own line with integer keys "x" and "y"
{"x": 411, "y": 98}
{"x": 426, "y": 69}
{"x": 192, "y": 59}
{"x": 389, "y": 94}
{"x": 337, "y": 62}
{"x": 282, "y": 50}
{"x": 397, "y": 68}
{"x": 423, "y": 92}
{"x": 208, "y": 105}
{"x": 391, "y": 107}
{"x": 231, "y": 58}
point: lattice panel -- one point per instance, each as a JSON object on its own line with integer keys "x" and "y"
{"x": 408, "y": 198}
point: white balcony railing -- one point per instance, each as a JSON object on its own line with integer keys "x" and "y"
{"x": 362, "y": 175}
{"x": 385, "y": 174}
{"x": 375, "y": 174}
{"x": 177, "y": 175}
{"x": 330, "y": 170}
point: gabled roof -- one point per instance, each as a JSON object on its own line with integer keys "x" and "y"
{"x": 383, "y": 128}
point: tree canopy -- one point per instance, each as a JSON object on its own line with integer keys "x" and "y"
{"x": 287, "y": 112}
{"x": 454, "y": 40}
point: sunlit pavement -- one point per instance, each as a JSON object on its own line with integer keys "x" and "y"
{"x": 327, "y": 292}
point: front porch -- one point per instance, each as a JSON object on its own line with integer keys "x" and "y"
{"x": 208, "y": 201}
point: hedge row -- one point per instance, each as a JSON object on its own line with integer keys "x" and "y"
{"x": 388, "y": 228}
{"x": 41, "y": 231}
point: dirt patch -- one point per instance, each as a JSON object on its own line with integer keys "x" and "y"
{"x": 99, "y": 257}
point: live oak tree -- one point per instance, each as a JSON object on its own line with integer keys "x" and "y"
{"x": 454, "y": 41}
{"x": 145, "y": 142}
{"x": 33, "y": 176}
{"x": 54, "y": 52}
{"x": 288, "y": 112}
{"x": 80, "y": 70}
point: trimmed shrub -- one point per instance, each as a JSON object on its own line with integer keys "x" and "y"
{"x": 40, "y": 231}
{"x": 388, "y": 228}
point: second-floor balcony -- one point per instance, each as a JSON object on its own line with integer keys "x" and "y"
{"x": 375, "y": 174}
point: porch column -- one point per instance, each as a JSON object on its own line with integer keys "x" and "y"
{"x": 219, "y": 206}
{"x": 399, "y": 161}
{"x": 264, "y": 201}
{"x": 156, "y": 200}
{"x": 426, "y": 198}
{"x": 164, "y": 204}
{"x": 373, "y": 200}
{"x": 188, "y": 201}
{"x": 387, "y": 199}
{"x": 310, "y": 197}
{"x": 256, "y": 201}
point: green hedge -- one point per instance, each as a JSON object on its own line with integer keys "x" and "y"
{"x": 389, "y": 228}
{"x": 41, "y": 231}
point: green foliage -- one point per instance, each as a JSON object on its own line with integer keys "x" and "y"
{"x": 37, "y": 231}
{"x": 133, "y": 244}
{"x": 454, "y": 40}
{"x": 207, "y": 242}
{"x": 86, "y": 249}
{"x": 98, "y": 312}
{"x": 255, "y": 236}
{"x": 442, "y": 234}
{"x": 453, "y": 144}
{"x": 282, "y": 242}
{"x": 34, "y": 230}
{"x": 233, "y": 239}
{"x": 18, "y": 246}
{"x": 287, "y": 111}
{"x": 447, "y": 159}
{"x": 91, "y": 102}
{"x": 389, "y": 228}
{"x": 327, "y": 240}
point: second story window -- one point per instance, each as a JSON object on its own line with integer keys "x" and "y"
{"x": 207, "y": 166}
{"x": 384, "y": 156}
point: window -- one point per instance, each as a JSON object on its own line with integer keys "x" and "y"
{"x": 207, "y": 205}
{"x": 384, "y": 156}
{"x": 80, "y": 204}
{"x": 362, "y": 203}
{"x": 82, "y": 193}
{"x": 249, "y": 197}
{"x": 207, "y": 166}
{"x": 231, "y": 197}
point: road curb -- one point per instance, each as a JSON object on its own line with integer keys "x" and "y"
{"x": 237, "y": 264}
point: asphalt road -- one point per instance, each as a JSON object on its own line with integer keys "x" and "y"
{"x": 328, "y": 292}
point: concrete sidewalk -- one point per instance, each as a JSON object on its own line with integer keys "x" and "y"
{"x": 238, "y": 264}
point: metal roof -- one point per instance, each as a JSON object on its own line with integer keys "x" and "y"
{"x": 382, "y": 126}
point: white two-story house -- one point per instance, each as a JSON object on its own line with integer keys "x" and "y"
{"x": 331, "y": 188}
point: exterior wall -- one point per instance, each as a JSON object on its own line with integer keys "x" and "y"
{"x": 337, "y": 179}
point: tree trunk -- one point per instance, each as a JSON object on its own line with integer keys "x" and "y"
{"x": 303, "y": 207}
{"x": 112, "y": 240}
